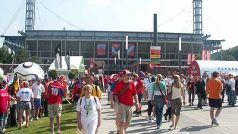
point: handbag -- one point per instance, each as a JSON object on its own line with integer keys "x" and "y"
{"x": 165, "y": 98}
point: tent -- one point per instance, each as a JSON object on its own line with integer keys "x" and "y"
{"x": 30, "y": 70}
{"x": 200, "y": 67}
{"x": 76, "y": 62}
{"x": 1, "y": 72}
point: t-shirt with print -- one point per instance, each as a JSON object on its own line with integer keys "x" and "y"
{"x": 25, "y": 94}
{"x": 55, "y": 93}
{"x": 5, "y": 101}
{"x": 37, "y": 90}
{"x": 127, "y": 97}
{"x": 88, "y": 107}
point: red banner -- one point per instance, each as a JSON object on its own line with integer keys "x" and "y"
{"x": 101, "y": 49}
{"x": 204, "y": 55}
{"x": 115, "y": 48}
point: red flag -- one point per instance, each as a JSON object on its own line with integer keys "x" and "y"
{"x": 208, "y": 55}
{"x": 193, "y": 57}
{"x": 92, "y": 63}
{"x": 189, "y": 58}
{"x": 204, "y": 55}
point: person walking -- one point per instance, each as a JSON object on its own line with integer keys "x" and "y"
{"x": 177, "y": 96}
{"x": 159, "y": 92}
{"x": 37, "y": 89}
{"x": 88, "y": 111}
{"x": 25, "y": 99}
{"x": 56, "y": 92}
{"x": 199, "y": 89}
{"x": 124, "y": 93}
{"x": 214, "y": 88}
{"x": 4, "y": 107}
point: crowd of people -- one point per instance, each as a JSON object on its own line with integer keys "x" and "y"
{"x": 38, "y": 98}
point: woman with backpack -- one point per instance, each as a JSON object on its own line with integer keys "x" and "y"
{"x": 88, "y": 111}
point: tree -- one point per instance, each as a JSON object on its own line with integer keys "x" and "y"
{"x": 73, "y": 74}
{"x": 36, "y": 60}
{"x": 53, "y": 74}
{"x": 5, "y": 56}
{"x": 22, "y": 55}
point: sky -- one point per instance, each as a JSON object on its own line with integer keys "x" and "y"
{"x": 124, "y": 15}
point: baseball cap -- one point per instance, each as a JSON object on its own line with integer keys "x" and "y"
{"x": 124, "y": 72}
{"x": 62, "y": 77}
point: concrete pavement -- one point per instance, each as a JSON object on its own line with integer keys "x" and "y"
{"x": 191, "y": 121}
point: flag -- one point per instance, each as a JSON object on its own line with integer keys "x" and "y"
{"x": 189, "y": 58}
{"x": 58, "y": 61}
{"x": 92, "y": 63}
{"x": 193, "y": 57}
{"x": 15, "y": 83}
{"x": 67, "y": 59}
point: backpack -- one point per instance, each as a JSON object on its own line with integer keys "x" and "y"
{"x": 95, "y": 100}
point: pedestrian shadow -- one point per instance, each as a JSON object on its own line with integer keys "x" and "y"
{"x": 147, "y": 131}
{"x": 195, "y": 128}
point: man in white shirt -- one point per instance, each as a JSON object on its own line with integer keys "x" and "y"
{"x": 231, "y": 90}
{"x": 25, "y": 99}
{"x": 37, "y": 89}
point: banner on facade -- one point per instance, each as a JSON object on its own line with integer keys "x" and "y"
{"x": 115, "y": 49}
{"x": 131, "y": 50}
{"x": 155, "y": 56}
{"x": 101, "y": 49}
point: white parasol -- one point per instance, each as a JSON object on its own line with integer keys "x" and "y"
{"x": 30, "y": 70}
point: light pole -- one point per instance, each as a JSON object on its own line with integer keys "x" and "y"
{"x": 179, "y": 53}
{"x": 115, "y": 62}
{"x": 139, "y": 65}
{"x": 126, "y": 51}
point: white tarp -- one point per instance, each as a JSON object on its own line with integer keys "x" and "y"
{"x": 76, "y": 62}
{"x": 30, "y": 70}
{"x": 1, "y": 72}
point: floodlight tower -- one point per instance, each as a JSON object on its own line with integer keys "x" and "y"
{"x": 30, "y": 15}
{"x": 197, "y": 17}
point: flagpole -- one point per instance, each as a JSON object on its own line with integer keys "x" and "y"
{"x": 179, "y": 53}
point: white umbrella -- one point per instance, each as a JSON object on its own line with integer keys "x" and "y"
{"x": 30, "y": 70}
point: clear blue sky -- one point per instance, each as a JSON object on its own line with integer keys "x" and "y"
{"x": 219, "y": 18}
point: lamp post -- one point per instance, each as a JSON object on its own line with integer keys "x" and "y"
{"x": 139, "y": 65}
{"x": 126, "y": 51}
{"x": 115, "y": 62}
{"x": 179, "y": 53}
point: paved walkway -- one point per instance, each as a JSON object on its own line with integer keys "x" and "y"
{"x": 192, "y": 121}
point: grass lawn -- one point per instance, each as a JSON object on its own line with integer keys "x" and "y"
{"x": 42, "y": 126}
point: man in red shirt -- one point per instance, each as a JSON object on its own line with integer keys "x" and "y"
{"x": 4, "y": 107}
{"x": 139, "y": 90}
{"x": 125, "y": 91}
{"x": 56, "y": 92}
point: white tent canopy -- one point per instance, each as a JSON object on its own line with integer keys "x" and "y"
{"x": 1, "y": 72}
{"x": 30, "y": 70}
{"x": 76, "y": 62}
{"x": 200, "y": 67}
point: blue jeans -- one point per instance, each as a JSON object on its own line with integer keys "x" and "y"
{"x": 3, "y": 121}
{"x": 159, "y": 106}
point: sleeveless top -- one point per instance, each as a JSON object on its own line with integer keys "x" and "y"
{"x": 176, "y": 92}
